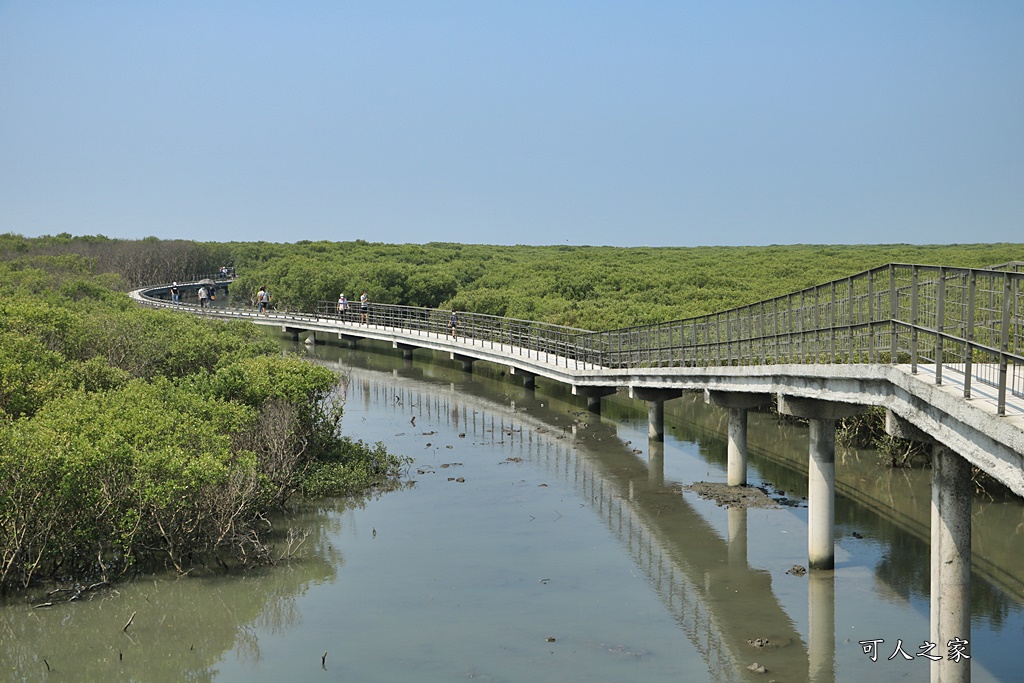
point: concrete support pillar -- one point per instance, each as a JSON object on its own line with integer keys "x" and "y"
{"x": 656, "y": 420}
{"x": 821, "y": 495}
{"x": 348, "y": 340}
{"x": 655, "y": 398}
{"x": 593, "y": 394}
{"x": 821, "y": 627}
{"x": 821, "y": 473}
{"x": 950, "y": 563}
{"x": 293, "y": 331}
{"x": 407, "y": 349}
{"x": 737, "y": 467}
{"x": 737, "y": 404}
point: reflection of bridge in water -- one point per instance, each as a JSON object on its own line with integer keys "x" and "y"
{"x": 718, "y": 600}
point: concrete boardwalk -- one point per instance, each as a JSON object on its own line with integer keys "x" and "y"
{"x": 970, "y": 427}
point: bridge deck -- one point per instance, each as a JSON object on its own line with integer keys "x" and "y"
{"x": 973, "y": 428}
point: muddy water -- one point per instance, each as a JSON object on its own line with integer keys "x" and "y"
{"x": 539, "y": 542}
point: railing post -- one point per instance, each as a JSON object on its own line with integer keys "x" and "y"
{"x": 940, "y": 324}
{"x": 1004, "y": 341}
{"x": 803, "y": 326}
{"x": 872, "y": 356}
{"x": 696, "y": 345}
{"x": 832, "y": 328}
{"x": 619, "y": 344}
{"x": 775, "y": 325}
{"x": 893, "y": 315}
{"x": 728, "y": 339}
{"x": 972, "y": 290}
{"x": 789, "y": 328}
{"x": 662, "y": 348}
{"x": 849, "y": 321}
{"x": 913, "y": 320}
{"x": 764, "y": 334}
{"x": 682, "y": 345}
{"x": 820, "y": 321}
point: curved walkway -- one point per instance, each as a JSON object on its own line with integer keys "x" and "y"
{"x": 971, "y": 428}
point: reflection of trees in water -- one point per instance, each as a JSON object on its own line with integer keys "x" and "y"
{"x": 905, "y": 570}
{"x": 182, "y": 626}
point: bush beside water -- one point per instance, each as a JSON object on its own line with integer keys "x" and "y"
{"x": 130, "y": 436}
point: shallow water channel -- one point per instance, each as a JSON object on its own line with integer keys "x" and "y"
{"x": 536, "y": 541}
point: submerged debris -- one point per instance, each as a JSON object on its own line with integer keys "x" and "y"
{"x": 733, "y": 496}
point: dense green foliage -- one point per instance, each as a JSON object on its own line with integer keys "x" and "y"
{"x": 595, "y": 288}
{"x": 590, "y": 287}
{"x": 129, "y": 434}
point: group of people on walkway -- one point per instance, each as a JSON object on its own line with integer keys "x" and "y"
{"x": 364, "y": 307}
{"x": 208, "y": 293}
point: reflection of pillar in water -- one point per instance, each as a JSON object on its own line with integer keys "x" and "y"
{"x": 737, "y": 541}
{"x": 821, "y": 626}
{"x": 656, "y": 462}
{"x": 821, "y": 493}
{"x": 950, "y": 563}
{"x": 593, "y": 395}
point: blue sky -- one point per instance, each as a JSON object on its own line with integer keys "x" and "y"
{"x": 639, "y": 123}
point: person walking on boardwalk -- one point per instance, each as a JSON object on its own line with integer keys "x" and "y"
{"x": 342, "y": 305}
{"x": 263, "y": 298}
{"x": 175, "y": 293}
{"x": 364, "y": 307}
{"x": 204, "y": 296}
{"x": 453, "y": 324}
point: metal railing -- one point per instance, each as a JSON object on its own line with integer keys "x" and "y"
{"x": 961, "y": 319}
{"x": 556, "y": 344}
{"x": 939, "y": 319}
